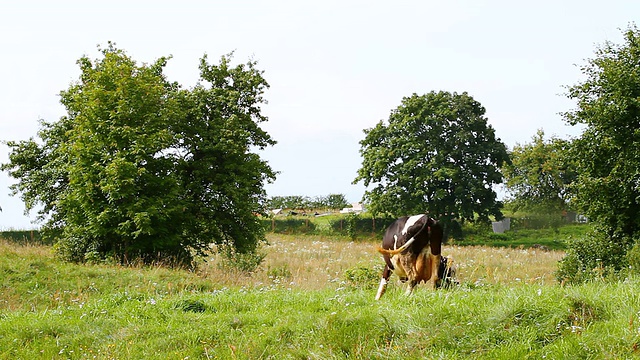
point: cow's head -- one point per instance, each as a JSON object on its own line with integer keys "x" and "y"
{"x": 447, "y": 273}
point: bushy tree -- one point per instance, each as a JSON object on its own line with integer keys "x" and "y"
{"x": 336, "y": 201}
{"x": 222, "y": 179}
{"x": 140, "y": 168}
{"x": 607, "y": 188}
{"x": 436, "y": 153}
{"x": 539, "y": 175}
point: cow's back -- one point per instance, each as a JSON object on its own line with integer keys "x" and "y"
{"x": 389, "y": 240}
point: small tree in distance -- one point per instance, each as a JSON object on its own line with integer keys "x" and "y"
{"x": 539, "y": 175}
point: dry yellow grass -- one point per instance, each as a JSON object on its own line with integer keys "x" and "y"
{"x": 316, "y": 262}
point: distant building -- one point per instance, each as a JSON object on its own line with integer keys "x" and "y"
{"x": 356, "y": 208}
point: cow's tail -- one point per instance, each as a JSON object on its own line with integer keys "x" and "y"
{"x": 392, "y": 252}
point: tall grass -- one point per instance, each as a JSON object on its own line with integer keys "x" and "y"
{"x": 299, "y": 306}
{"x": 317, "y": 262}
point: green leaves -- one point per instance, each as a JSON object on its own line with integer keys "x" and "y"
{"x": 436, "y": 153}
{"x": 140, "y": 168}
{"x": 540, "y": 174}
{"x": 608, "y": 104}
{"x": 606, "y": 157}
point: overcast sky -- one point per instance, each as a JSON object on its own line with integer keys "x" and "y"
{"x": 335, "y": 67}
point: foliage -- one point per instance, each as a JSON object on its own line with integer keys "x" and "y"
{"x": 593, "y": 256}
{"x": 359, "y": 225}
{"x": 279, "y": 273}
{"x": 142, "y": 169}
{"x": 607, "y": 188}
{"x": 521, "y": 237}
{"x": 331, "y": 201}
{"x": 351, "y": 223}
{"x": 633, "y": 259}
{"x": 436, "y": 154}
{"x": 539, "y": 175}
{"x": 289, "y": 225}
{"x": 243, "y": 262}
{"x": 24, "y": 237}
{"x": 363, "y": 277}
{"x": 537, "y": 220}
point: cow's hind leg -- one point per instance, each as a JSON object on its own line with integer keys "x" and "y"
{"x": 386, "y": 273}
{"x": 435, "y": 264}
{"x": 408, "y": 263}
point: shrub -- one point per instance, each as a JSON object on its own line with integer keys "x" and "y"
{"x": 596, "y": 255}
{"x": 242, "y": 262}
{"x": 362, "y": 277}
{"x": 633, "y": 258}
{"x": 280, "y": 272}
{"x": 289, "y": 226}
{"x": 538, "y": 221}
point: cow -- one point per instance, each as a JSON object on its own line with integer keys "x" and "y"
{"x": 411, "y": 248}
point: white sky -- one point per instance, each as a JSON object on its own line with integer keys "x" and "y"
{"x": 335, "y": 67}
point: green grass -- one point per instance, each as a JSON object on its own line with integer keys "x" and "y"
{"x": 554, "y": 239}
{"x": 55, "y": 310}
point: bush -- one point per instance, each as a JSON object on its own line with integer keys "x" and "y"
{"x": 289, "y": 226}
{"x": 596, "y": 255}
{"x": 24, "y": 237}
{"x": 354, "y": 225}
{"x": 279, "y": 273}
{"x": 633, "y": 259}
{"x": 247, "y": 262}
{"x": 538, "y": 221}
{"x": 362, "y": 277}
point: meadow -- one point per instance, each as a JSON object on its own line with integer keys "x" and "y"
{"x": 312, "y": 298}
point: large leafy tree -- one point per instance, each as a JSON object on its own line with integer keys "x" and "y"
{"x": 608, "y": 105}
{"x": 607, "y": 188}
{"x": 140, "y": 168}
{"x": 222, "y": 178}
{"x": 539, "y": 174}
{"x": 436, "y": 153}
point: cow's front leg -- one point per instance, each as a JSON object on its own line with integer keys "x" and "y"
{"x": 410, "y": 285}
{"x": 435, "y": 264}
{"x": 386, "y": 273}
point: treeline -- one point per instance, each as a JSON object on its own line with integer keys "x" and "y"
{"x": 25, "y": 237}
{"x": 331, "y": 202}
{"x": 351, "y": 225}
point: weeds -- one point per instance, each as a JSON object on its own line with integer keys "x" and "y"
{"x": 507, "y": 307}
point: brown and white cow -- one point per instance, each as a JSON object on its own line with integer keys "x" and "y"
{"x": 411, "y": 249}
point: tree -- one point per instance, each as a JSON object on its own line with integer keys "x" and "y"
{"x": 539, "y": 175}
{"x": 607, "y": 188}
{"x": 223, "y": 180}
{"x": 436, "y": 153}
{"x": 336, "y": 201}
{"x": 140, "y": 168}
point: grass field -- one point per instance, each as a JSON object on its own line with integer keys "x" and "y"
{"x": 303, "y": 305}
